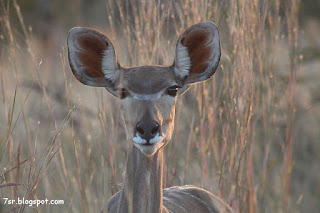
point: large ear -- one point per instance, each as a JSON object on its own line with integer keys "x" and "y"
{"x": 197, "y": 53}
{"x": 92, "y": 58}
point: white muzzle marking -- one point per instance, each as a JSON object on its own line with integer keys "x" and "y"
{"x": 137, "y": 139}
{"x": 148, "y": 148}
{"x": 156, "y": 139}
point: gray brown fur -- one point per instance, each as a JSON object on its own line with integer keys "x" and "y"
{"x": 147, "y": 101}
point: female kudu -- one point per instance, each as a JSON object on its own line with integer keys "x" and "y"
{"x": 148, "y": 97}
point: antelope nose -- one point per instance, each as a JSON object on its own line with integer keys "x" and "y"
{"x": 147, "y": 130}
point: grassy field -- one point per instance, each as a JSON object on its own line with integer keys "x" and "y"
{"x": 250, "y": 134}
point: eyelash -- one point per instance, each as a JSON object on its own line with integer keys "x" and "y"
{"x": 123, "y": 93}
{"x": 173, "y": 90}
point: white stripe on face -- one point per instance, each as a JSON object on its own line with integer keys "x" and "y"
{"x": 147, "y": 97}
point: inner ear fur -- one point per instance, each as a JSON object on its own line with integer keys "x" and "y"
{"x": 197, "y": 53}
{"x": 92, "y": 58}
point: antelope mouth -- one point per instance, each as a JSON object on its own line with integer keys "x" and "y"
{"x": 148, "y": 147}
{"x": 141, "y": 141}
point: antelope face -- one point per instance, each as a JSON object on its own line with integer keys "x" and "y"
{"x": 148, "y": 102}
{"x": 148, "y": 93}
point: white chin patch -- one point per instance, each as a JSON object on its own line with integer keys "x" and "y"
{"x": 151, "y": 148}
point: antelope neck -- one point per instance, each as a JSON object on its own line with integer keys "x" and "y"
{"x": 142, "y": 187}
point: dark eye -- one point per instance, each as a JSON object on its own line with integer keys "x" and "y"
{"x": 123, "y": 93}
{"x": 172, "y": 91}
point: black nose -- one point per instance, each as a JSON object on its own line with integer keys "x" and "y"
{"x": 147, "y": 130}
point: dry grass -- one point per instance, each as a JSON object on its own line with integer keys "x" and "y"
{"x": 235, "y": 135}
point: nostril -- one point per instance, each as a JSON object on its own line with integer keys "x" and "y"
{"x": 155, "y": 129}
{"x": 139, "y": 130}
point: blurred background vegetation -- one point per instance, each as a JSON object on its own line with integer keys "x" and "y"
{"x": 250, "y": 134}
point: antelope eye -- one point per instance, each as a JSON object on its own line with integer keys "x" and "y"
{"x": 172, "y": 91}
{"x": 123, "y": 93}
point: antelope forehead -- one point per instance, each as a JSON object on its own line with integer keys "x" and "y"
{"x": 148, "y": 84}
{"x": 146, "y": 97}
{"x": 148, "y": 80}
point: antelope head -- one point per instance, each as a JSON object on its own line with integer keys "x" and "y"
{"x": 148, "y": 93}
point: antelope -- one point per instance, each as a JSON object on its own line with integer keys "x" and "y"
{"x": 148, "y": 97}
